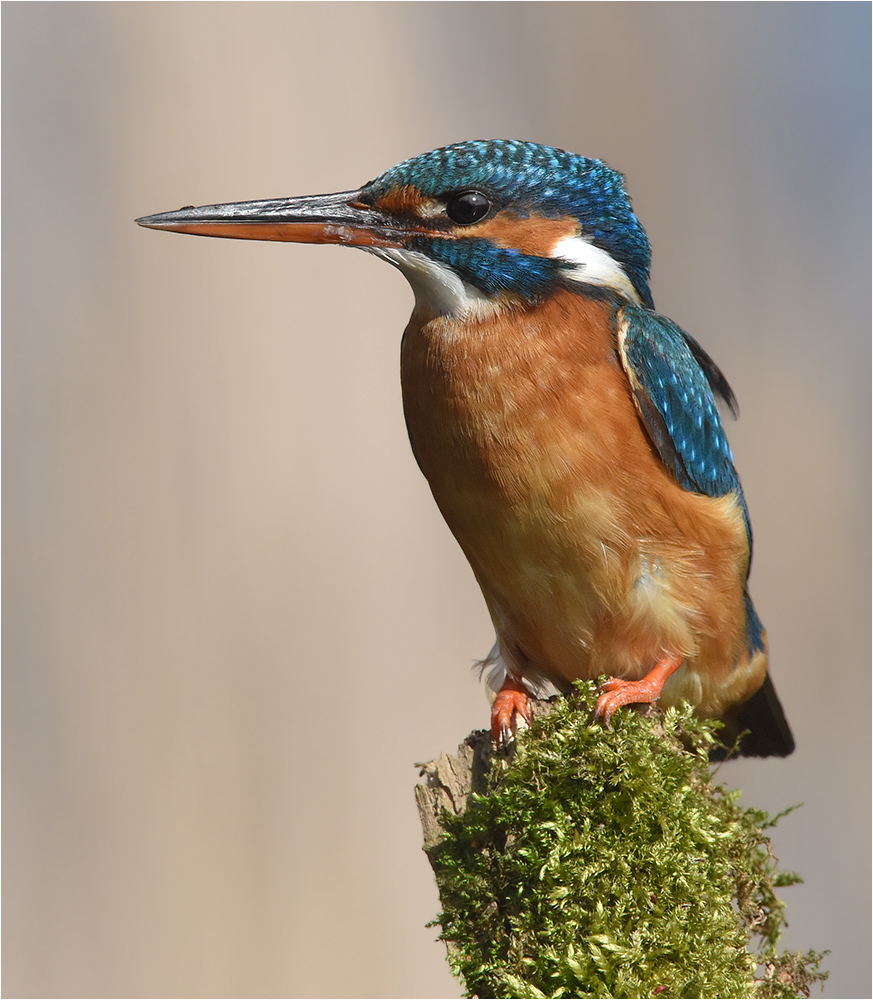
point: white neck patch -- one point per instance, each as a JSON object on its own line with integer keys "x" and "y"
{"x": 438, "y": 290}
{"x": 593, "y": 266}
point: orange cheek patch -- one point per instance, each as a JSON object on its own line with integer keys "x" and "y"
{"x": 533, "y": 235}
{"x": 401, "y": 201}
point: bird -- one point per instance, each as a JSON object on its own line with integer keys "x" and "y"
{"x": 570, "y": 434}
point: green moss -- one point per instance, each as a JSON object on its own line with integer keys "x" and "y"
{"x": 606, "y": 864}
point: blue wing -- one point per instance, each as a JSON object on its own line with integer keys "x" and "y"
{"x": 675, "y": 383}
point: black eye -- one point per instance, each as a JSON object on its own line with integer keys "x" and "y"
{"x": 467, "y": 207}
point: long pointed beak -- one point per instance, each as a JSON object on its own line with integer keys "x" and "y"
{"x": 322, "y": 218}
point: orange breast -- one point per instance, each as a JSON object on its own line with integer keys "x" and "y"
{"x": 591, "y": 557}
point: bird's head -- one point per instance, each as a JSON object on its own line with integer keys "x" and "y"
{"x": 472, "y": 226}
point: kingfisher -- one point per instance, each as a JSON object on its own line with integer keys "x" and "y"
{"x": 569, "y": 432}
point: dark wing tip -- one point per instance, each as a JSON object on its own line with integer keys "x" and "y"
{"x": 717, "y": 382}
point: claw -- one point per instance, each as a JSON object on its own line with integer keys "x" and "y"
{"x": 617, "y": 692}
{"x": 510, "y": 711}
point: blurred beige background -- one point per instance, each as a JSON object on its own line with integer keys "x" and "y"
{"x": 234, "y": 619}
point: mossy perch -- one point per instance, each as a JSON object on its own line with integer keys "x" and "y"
{"x": 596, "y": 863}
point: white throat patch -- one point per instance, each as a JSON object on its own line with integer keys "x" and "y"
{"x": 438, "y": 290}
{"x": 593, "y": 266}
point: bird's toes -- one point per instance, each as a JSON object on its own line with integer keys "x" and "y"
{"x": 509, "y": 713}
{"x": 615, "y": 693}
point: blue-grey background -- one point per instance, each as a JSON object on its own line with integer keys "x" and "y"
{"x": 234, "y": 619}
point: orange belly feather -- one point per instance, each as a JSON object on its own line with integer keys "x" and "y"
{"x": 591, "y": 557}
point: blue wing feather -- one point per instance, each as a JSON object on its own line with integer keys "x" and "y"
{"x": 675, "y": 384}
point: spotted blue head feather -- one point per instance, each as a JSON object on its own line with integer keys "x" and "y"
{"x": 528, "y": 177}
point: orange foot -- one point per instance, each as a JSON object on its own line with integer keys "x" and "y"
{"x": 509, "y": 709}
{"x": 617, "y": 692}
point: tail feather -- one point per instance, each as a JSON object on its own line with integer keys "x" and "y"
{"x": 762, "y": 720}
